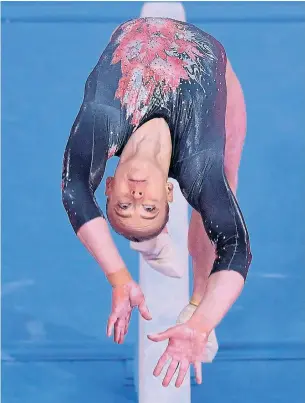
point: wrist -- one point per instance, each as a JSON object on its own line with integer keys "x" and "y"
{"x": 198, "y": 294}
{"x": 195, "y": 299}
{"x": 201, "y": 323}
{"x": 199, "y": 291}
{"x": 119, "y": 277}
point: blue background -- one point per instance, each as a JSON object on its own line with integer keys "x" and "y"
{"x": 55, "y": 300}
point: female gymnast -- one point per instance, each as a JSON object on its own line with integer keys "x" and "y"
{"x": 164, "y": 98}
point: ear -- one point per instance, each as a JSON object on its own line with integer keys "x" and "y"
{"x": 108, "y": 186}
{"x": 170, "y": 192}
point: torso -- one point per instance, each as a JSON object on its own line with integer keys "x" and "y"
{"x": 156, "y": 67}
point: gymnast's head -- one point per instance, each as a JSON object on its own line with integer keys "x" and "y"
{"x": 138, "y": 197}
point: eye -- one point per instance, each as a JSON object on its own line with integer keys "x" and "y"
{"x": 149, "y": 209}
{"x": 124, "y": 206}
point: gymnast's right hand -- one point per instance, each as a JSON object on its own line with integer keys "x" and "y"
{"x": 124, "y": 299}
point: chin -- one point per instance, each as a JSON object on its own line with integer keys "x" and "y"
{"x": 138, "y": 176}
{"x": 137, "y": 179}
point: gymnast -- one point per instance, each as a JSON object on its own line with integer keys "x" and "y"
{"x": 164, "y": 99}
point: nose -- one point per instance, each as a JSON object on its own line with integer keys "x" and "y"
{"x": 137, "y": 189}
{"x": 137, "y": 194}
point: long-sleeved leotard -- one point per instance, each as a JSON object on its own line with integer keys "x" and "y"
{"x": 163, "y": 68}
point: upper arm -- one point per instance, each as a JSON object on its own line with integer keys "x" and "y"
{"x": 81, "y": 176}
{"x": 210, "y": 194}
{"x": 202, "y": 176}
{"x": 205, "y": 185}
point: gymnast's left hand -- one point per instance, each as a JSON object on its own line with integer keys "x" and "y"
{"x": 186, "y": 345}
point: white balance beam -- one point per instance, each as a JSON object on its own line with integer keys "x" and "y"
{"x": 165, "y": 296}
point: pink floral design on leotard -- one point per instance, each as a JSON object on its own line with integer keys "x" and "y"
{"x": 112, "y": 150}
{"x": 156, "y": 54}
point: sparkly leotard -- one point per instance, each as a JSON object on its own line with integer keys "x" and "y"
{"x": 154, "y": 67}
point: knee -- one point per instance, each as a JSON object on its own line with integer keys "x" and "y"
{"x": 232, "y": 178}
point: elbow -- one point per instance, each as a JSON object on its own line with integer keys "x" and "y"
{"x": 249, "y": 256}
{"x": 79, "y": 203}
{"x": 235, "y": 256}
{"x": 68, "y": 201}
{"x": 67, "y": 197}
{"x": 247, "y": 262}
{"x": 248, "y": 259}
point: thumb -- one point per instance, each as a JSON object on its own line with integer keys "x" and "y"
{"x": 144, "y": 311}
{"x": 161, "y": 336}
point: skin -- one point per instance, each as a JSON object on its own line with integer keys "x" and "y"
{"x": 124, "y": 299}
{"x": 139, "y": 191}
{"x": 217, "y": 293}
{"x": 203, "y": 252}
{"x": 141, "y": 177}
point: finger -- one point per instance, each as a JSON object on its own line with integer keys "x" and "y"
{"x": 111, "y": 321}
{"x": 124, "y": 330}
{"x": 161, "y": 336}
{"x": 118, "y": 328}
{"x": 160, "y": 364}
{"x": 122, "y": 336}
{"x": 144, "y": 311}
{"x": 198, "y": 372}
{"x": 170, "y": 372}
{"x": 116, "y": 333}
{"x": 127, "y": 323}
{"x": 183, "y": 368}
{"x": 120, "y": 331}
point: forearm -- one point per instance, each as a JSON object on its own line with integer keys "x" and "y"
{"x": 202, "y": 263}
{"x": 90, "y": 226}
{"x": 203, "y": 256}
{"x": 223, "y": 289}
{"x": 230, "y": 268}
{"x": 96, "y": 237}
{"x": 201, "y": 271}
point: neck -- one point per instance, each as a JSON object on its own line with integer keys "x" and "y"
{"x": 151, "y": 141}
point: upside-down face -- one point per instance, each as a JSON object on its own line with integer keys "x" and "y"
{"x": 138, "y": 197}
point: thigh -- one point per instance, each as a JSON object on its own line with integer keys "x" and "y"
{"x": 236, "y": 126}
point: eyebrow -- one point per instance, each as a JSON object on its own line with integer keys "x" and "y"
{"x": 121, "y": 215}
{"x": 129, "y": 215}
{"x": 150, "y": 218}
